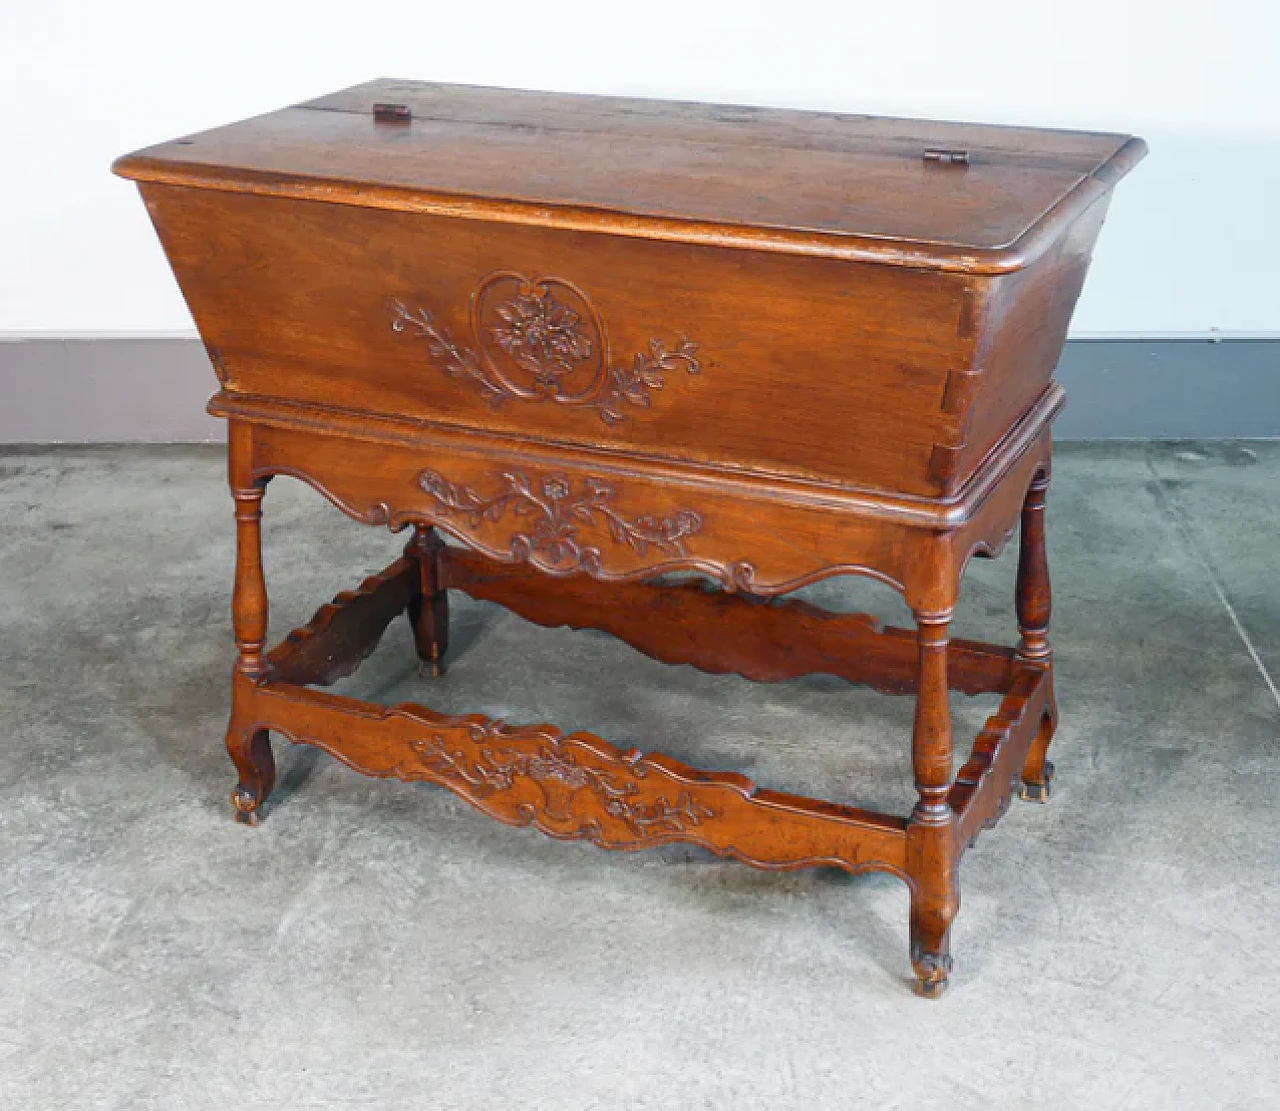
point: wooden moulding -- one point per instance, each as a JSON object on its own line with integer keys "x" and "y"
{"x": 565, "y": 514}
{"x": 579, "y": 786}
{"x": 344, "y": 632}
{"x": 722, "y": 633}
{"x": 988, "y": 780}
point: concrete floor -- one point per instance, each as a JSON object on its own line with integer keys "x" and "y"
{"x": 382, "y": 945}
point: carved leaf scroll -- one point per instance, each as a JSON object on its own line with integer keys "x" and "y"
{"x": 578, "y": 786}
{"x": 542, "y": 339}
{"x": 559, "y": 514}
{"x": 495, "y": 762}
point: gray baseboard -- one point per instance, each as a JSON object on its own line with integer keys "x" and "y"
{"x": 152, "y": 389}
{"x": 106, "y": 389}
{"x": 1170, "y": 389}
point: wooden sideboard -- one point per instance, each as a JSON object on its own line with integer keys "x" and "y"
{"x": 597, "y": 340}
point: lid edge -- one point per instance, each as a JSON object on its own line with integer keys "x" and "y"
{"x": 146, "y": 167}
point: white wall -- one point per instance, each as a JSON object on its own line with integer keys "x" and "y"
{"x": 1191, "y": 243}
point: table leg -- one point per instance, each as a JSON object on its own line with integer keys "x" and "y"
{"x": 931, "y": 855}
{"x": 429, "y": 611}
{"x": 250, "y": 751}
{"x": 1035, "y": 605}
{"x": 249, "y": 747}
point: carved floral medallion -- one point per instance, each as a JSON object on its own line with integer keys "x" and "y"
{"x": 541, "y": 339}
{"x": 557, "y": 515}
{"x": 543, "y": 336}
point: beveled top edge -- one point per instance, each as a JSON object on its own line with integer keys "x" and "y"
{"x": 167, "y": 164}
{"x": 854, "y": 248}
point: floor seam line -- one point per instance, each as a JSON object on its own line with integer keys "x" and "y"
{"x": 1181, "y": 524}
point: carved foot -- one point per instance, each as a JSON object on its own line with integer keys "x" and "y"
{"x": 429, "y": 611}
{"x": 1041, "y": 790}
{"x": 246, "y": 807}
{"x": 251, "y": 753}
{"x": 430, "y": 669}
{"x": 931, "y": 918}
{"x": 430, "y": 621}
{"x": 935, "y": 901}
{"x": 933, "y": 971}
{"x": 1037, "y": 771}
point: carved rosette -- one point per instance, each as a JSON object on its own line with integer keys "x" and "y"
{"x": 541, "y": 339}
{"x": 561, "y": 524}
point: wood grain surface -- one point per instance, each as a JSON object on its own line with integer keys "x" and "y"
{"x": 595, "y": 342}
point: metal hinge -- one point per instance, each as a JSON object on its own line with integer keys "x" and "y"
{"x": 948, "y": 157}
{"x": 392, "y": 113}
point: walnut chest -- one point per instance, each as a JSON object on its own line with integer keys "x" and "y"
{"x": 595, "y": 340}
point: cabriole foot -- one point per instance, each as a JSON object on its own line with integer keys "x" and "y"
{"x": 251, "y": 752}
{"x": 430, "y": 669}
{"x": 1037, "y": 771}
{"x": 246, "y": 807}
{"x": 931, "y": 918}
{"x": 933, "y": 971}
{"x": 429, "y": 611}
{"x": 1041, "y": 791}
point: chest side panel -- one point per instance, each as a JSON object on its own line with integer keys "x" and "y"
{"x": 1021, "y": 320}
{"x": 811, "y": 367}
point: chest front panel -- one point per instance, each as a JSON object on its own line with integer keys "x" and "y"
{"x": 746, "y": 360}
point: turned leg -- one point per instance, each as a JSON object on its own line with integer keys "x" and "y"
{"x": 429, "y": 611}
{"x": 1035, "y": 604}
{"x": 931, "y": 855}
{"x": 250, "y": 749}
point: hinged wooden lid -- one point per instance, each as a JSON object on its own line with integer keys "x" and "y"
{"x": 908, "y": 192}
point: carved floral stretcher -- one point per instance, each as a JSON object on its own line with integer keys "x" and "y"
{"x": 598, "y": 340}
